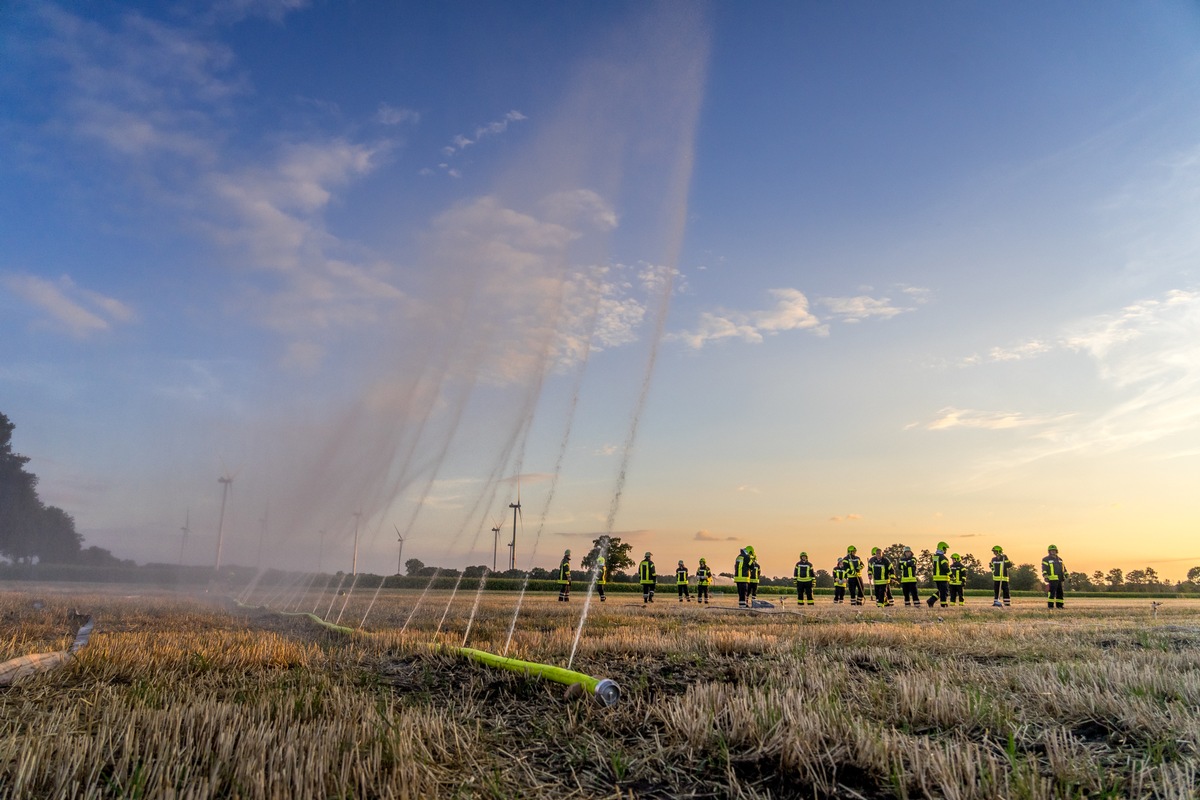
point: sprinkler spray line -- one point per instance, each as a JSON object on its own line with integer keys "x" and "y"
{"x": 606, "y": 691}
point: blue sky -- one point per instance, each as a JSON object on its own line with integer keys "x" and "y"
{"x": 799, "y": 275}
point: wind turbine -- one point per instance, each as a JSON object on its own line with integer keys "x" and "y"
{"x": 226, "y": 482}
{"x": 399, "y": 558}
{"x": 516, "y": 507}
{"x": 187, "y": 523}
{"x": 495, "y": 544}
{"x": 354, "y": 564}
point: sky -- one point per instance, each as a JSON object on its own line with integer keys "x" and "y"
{"x": 792, "y": 274}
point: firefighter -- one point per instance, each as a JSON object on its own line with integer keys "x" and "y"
{"x": 681, "y": 582}
{"x": 647, "y": 577}
{"x": 564, "y": 578}
{"x": 880, "y": 567}
{"x": 839, "y": 581}
{"x": 941, "y": 576}
{"x": 805, "y": 576}
{"x": 1054, "y": 574}
{"x": 907, "y": 568}
{"x": 704, "y": 579}
{"x": 754, "y": 576}
{"x": 741, "y": 577}
{"x": 958, "y": 579}
{"x": 601, "y": 576}
{"x": 1001, "y": 566}
{"x": 854, "y": 568}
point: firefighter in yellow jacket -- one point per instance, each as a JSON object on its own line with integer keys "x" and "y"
{"x": 1001, "y": 567}
{"x": 741, "y": 577}
{"x": 880, "y": 568}
{"x": 704, "y": 579}
{"x": 564, "y": 577}
{"x": 839, "y": 581}
{"x": 1054, "y": 574}
{"x": 854, "y": 570}
{"x": 805, "y": 575}
{"x": 681, "y": 581}
{"x": 601, "y": 576}
{"x": 755, "y": 575}
{"x": 906, "y": 566}
{"x": 647, "y": 577}
{"x": 958, "y": 579}
{"x": 941, "y": 576}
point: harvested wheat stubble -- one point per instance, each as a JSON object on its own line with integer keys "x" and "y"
{"x": 176, "y": 697}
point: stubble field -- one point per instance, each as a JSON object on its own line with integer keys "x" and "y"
{"x": 193, "y": 697}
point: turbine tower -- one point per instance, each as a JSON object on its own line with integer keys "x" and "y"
{"x": 495, "y": 544}
{"x": 226, "y": 482}
{"x": 354, "y": 564}
{"x": 400, "y": 557}
{"x": 516, "y": 507}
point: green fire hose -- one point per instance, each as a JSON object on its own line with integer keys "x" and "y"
{"x": 604, "y": 690}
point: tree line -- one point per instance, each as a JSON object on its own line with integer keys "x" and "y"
{"x": 30, "y": 530}
{"x": 1022, "y": 578}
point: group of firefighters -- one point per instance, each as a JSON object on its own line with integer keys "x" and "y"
{"x": 948, "y": 573}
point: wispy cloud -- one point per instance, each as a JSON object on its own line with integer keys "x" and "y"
{"x": 861, "y": 307}
{"x": 709, "y": 536}
{"x": 462, "y": 141}
{"x": 393, "y": 115}
{"x": 155, "y": 98}
{"x": 80, "y": 312}
{"x": 847, "y": 518}
{"x": 1147, "y": 354}
{"x": 949, "y": 418}
{"x": 791, "y": 312}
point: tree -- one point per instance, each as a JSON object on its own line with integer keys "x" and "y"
{"x": 1115, "y": 577}
{"x": 1024, "y": 577}
{"x": 30, "y": 530}
{"x": 1079, "y": 581}
{"x": 824, "y": 579}
{"x": 616, "y": 554}
{"x": 414, "y": 566}
{"x": 1135, "y": 577}
{"x": 1098, "y": 578}
{"x": 925, "y": 567}
{"x": 1193, "y": 575}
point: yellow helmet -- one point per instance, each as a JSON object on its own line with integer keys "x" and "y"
{"x": 750, "y": 549}
{"x": 600, "y": 560}
{"x": 702, "y": 561}
{"x": 1053, "y": 547}
{"x": 997, "y": 549}
{"x": 804, "y": 555}
{"x": 851, "y": 549}
{"x": 955, "y": 556}
{"x": 874, "y": 550}
{"x": 648, "y": 554}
